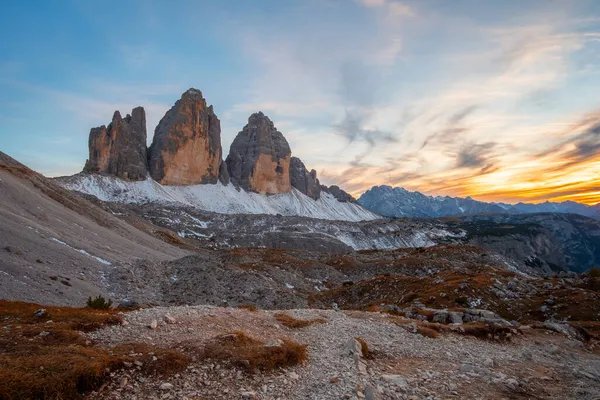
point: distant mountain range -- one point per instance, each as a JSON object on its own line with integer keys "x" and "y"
{"x": 401, "y": 203}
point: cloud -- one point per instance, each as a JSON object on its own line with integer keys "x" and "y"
{"x": 474, "y": 156}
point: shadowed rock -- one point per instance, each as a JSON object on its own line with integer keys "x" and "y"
{"x": 338, "y": 193}
{"x": 186, "y": 148}
{"x": 306, "y": 182}
{"x": 120, "y": 148}
{"x": 259, "y": 157}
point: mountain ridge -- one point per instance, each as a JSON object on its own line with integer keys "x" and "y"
{"x": 397, "y": 202}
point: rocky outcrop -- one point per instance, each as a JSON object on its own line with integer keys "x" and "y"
{"x": 306, "y": 182}
{"x": 259, "y": 157}
{"x": 186, "y": 148}
{"x": 338, "y": 193}
{"x": 120, "y": 148}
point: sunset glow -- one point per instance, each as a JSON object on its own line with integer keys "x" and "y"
{"x": 494, "y": 100}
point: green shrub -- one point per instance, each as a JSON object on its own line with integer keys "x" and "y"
{"x": 99, "y": 303}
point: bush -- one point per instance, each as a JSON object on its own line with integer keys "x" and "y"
{"x": 291, "y": 322}
{"x": 99, "y": 303}
{"x": 595, "y": 272}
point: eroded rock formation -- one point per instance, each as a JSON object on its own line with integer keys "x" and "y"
{"x": 259, "y": 157}
{"x": 186, "y": 148}
{"x": 338, "y": 193}
{"x": 306, "y": 182}
{"x": 120, "y": 148}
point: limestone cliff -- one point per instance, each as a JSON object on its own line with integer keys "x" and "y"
{"x": 259, "y": 157}
{"x": 186, "y": 148}
{"x": 120, "y": 148}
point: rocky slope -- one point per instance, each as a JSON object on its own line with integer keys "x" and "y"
{"x": 548, "y": 241}
{"x": 401, "y": 203}
{"x": 120, "y": 148}
{"x": 58, "y": 248}
{"x": 186, "y": 148}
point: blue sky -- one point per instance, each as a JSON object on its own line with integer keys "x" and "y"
{"x": 497, "y": 100}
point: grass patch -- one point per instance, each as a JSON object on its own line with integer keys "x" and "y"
{"x": 251, "y": 354}
{"x": 291, "y": 322}
{"x": 364, "y": 347}
{"x": 427, "y": 332}
{"x": 47, "y": 357}
{"x": 248, "y": 307}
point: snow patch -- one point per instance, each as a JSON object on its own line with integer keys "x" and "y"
{"x": 217, "y": 198}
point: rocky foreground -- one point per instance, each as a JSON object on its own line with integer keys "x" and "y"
{"x": 404, "y": 359}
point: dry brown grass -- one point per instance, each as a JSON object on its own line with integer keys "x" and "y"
{"x": 364, "y": 347}
{"x": 428, "y": 332}
{"x": 251, "y": 354}
{"x": 248, "y": 307}
{"x": 291, "y": 322}
{"x": 52, "y": 360}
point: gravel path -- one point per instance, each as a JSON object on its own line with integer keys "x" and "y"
{"x": 403, "y": 365}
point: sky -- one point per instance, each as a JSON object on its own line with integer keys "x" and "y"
{"x": 498, "y": 100}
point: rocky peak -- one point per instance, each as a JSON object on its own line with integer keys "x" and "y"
{"x": 338, "y": 193}
{"x": 186, "y": 148}
{"x": 120, "y": 148}
{"x": 259, "y": 157}
{"x": 306, "y": 182}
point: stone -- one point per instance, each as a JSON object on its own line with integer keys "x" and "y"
{"x": 512, "y": 384}
{"x": 124, "y": 381}
{"x": 306, "y": 182}
{"x": 166, "y": 386}
{"x": 565, "y": 329}
{"x": 547, "y": 285}
{"x": 371, "y": 393}
{"x": 455, "y": 317}
{"x": 153, "y": 324}
{"x": 128, "y": 304}
{"x": 186, "y": 148}
{"x": 40, "y": 313}
{"x": 440, "y": 316}
{"x": 169, "y": 319}
{"x": 259, "y": 158}
{"x": 355, "y": 348}
{"x": 249, "y": 395}
{"x": 397, "y": 380}
{"x": 119, "y": 149}
{"x": 294, "y": 376}
{"x": 138, "y": 363}
{"x": 488, "y": 363}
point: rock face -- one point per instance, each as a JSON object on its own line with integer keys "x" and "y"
{"x": 306, "y": 182}
{"x": 259, "y": 157}
{"x": 120, "y": 148}
{"x": 338, "y": 193}
{"x": 186, "y": 148}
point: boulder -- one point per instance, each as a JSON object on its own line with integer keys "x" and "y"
{"x": 306, "y": 182}
{"x": 186, "y": 149}
{"x": 259, "y": 158}
{"x": 119, "y": 149}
